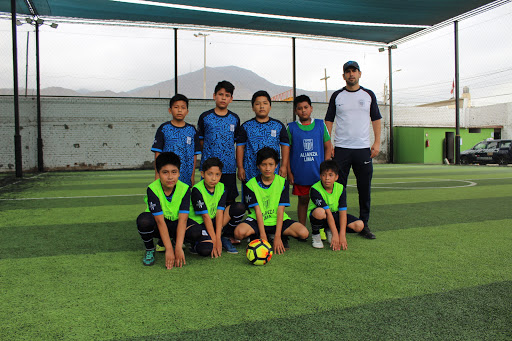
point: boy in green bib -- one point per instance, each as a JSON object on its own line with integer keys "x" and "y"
{"x": 266, "y": 195}
{"x": 166, "y": 215}
{"x": 208, "y": 207}
{"x": 328, "y": 209}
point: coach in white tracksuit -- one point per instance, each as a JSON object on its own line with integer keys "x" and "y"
{"x": 354, "y": 107}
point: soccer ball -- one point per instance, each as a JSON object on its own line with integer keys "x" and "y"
{"x": 259, "y": 252}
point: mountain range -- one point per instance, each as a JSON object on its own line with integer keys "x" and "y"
{"x": 246, "y": 83}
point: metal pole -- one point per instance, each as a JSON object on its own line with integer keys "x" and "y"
{"x": 391, "y": 144}
{"x": 457, "y": 121}
{"x": 40, "y": 163}
{"x": 17, "y": 136}
{"x": 175, "y": 61}
{"x": 26, "y": 65}
{"x": 204, "y": 73}
{"x": 294, "y": 76}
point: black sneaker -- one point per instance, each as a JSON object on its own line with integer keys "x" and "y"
{"x": 366, "y": 233}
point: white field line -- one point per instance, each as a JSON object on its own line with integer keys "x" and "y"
{"x": 77, "y": 197}
{"x": 14, "y": 183}
{"x": 470, "y": 183}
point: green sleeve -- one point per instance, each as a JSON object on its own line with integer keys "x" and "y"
{"x": 327, "y": 137}
{"x": 289, "y": 135}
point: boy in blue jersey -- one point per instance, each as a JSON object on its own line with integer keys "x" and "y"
{"x": 309, "y": 146}
{"x": 328, "y": 209}
{"x": 261, "y": 131}
{"x": 267, "y": 195}
{"x": 218, "y": 129}
{"x": 178, "y": 137}
{"x": 166, "y": 215}
{"x": 208, "y": 207}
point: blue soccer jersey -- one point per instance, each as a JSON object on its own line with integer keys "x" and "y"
{"x": 219, "y": 134}
{"x": 254, "y": 136}
{"x": 183, "y": 141}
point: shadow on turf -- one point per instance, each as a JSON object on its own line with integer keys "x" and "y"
{"x": 477, "y": 313}
{"x": 90, "y": 238}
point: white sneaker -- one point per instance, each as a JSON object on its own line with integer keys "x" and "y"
{"x": 329, "y": 236}
{"x": 317, "y": 241}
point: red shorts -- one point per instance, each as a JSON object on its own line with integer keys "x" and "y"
{"x": 301, "y": 190}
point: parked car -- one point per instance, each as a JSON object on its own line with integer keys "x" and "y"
{"x": 489, "y": 151}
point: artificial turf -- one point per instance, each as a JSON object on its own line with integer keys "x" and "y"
{"x": 440, "y": 268}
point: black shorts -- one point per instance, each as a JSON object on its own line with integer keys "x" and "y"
{"x": 268, "y": 229}
{"x": 204, "y": 233}
{"x": 336, "y": 216}
{"x": 172, "y": 226}
{"x": 229, "y": 181}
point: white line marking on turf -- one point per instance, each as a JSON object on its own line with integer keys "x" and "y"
{"x": 468, "y": 184}
{"x": 14, "y": 183}
{"x": 77, "y": 197}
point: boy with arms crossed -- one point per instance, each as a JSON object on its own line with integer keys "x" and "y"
{"x": 258, "y": 132}
{"x": 218, "y": 129}
{"x": 178, "y": 137}
{"x": 166, "y": 216}
{"x": 328, "y": 209}
{"x": 208, "y": 207}
{"x": 309, "y": 146}
{"x": 267, "y": 195}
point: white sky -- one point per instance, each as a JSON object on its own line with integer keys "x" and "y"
{"x": 121, "y": 58}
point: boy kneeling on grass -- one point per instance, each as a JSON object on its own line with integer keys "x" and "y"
{"x": 267, "y": 195}
{"x": 166, "y": 216}
{"x": 208, "y": 207}
{"x": 328, "y": 209}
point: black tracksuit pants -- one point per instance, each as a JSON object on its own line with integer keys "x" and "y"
{"x": 362, "y": 166}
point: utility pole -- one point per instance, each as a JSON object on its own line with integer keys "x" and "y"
{"x": 325, "y": 79}
{"x": 204, "y": 69}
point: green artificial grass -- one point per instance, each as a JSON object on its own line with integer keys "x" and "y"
{"x": 439, "y": 268}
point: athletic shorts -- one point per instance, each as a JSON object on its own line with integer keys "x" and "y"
{"x": 301, "y": 189}
{"x": 229, "y": 181}
{"x": 336, "y": 216}
{"x": 268, "y": 229}
{"x": 172, "y": 226}
{"x": 204, "y": 233}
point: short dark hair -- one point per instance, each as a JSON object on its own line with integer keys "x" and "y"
{"x": 212, "y": 162}
{"x": 176, "y": 98}
{"x": 266, "y": 153}
{"x": 167, "y": 158}
{"x": 258, "y": 94}
{"x": 300, "y": 99}
{"x": 329, "y": 165}
{"x": 230, "y": 88}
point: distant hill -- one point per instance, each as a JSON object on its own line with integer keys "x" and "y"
{"x": 190, "y": 84}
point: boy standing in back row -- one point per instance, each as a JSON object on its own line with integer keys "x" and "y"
{"x": 178, "y": 137}
{"x": 218, "y": 129}
{"x": 258, "y": 132}
{"x": 309, "y": 146}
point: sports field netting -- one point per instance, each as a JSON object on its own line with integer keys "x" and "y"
{"x": 440, "y": 268}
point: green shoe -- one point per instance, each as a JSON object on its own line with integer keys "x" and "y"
{"x": 160, "y": 246}
{"x": 149, "y": 258}
{"x": 322, "y": 234}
